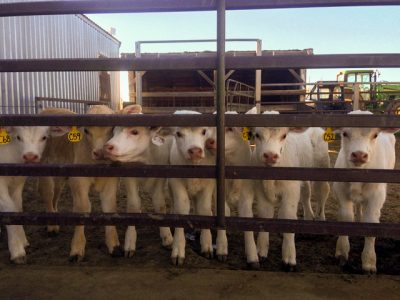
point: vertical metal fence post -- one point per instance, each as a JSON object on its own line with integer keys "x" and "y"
{"x": 221, "y": 113}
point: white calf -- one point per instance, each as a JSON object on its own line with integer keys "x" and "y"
{"x": 286, "y": 147}
{"x": 140, "y": 144}
{"x": 369, "y": 148}
{"x": 188, "y": 148}
{"x": 26, "y": 146}
{"x": 90, "y": 151}
{"x": 237, "y": 153}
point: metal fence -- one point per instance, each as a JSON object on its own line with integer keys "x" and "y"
{"x": 220, "y": 171}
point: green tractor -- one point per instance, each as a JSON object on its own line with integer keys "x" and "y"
{"x": 374, "y": 95}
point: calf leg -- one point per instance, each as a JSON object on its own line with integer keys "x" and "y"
{"x": 108, "y": 197}
{"x": 305, "y": 197}
{"x": 16, "y": 196}
{"x": 245, "y": 207}
{"x": 181, "y": 206}
{"x": 321, "y": 191}
{"x": 16, "y": 241}
{"x": 345, "y": 214}
{"x": 288, "y": 210}
{"x": 203, "y": 208}
{"x": 371, "y": 214}
{"x": 222, "y": 240}
{"x": 264, "y": 210}
{"x": 80, "y": 194}
{"x": 133, "y": 206}
{"x": 159, "y": 204}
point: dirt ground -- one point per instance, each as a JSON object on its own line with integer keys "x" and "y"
{"x": 150, "y": 274}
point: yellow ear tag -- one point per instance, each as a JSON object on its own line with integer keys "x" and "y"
{"x": 5, "y": 138}
{"x": 245, "y": 133}
{"x": 74, "y": 136}
{"x": 329, "y": 135}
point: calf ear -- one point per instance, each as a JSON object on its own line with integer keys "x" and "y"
{"x": 165, "y": 131}
{"x": 59, "y": 130}
{"x": 298, "y": 129}
{"x": 390, "y": 130}
{"x": 132, "y": 109}
{"x": 252, "y": 111}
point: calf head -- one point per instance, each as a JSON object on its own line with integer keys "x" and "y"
{"x": 129, "y": 144}
{"x": 97, "y": 137}
{"x": 270, "y": 142}
{"x": 359, "y": 144}
{"x": 31, "y": 141}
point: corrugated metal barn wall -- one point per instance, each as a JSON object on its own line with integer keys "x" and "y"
{"x": 63, "y": 36}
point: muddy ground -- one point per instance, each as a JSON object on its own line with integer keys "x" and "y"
{"x": 48, "y": 257}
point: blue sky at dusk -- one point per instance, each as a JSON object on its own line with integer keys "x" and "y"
{"x": 326, "y": 30}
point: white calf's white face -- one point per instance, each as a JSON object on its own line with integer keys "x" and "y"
{"x": 191, "y": 142}
{"x": 358, "y": 144}
{"x": 129, "y": 143}
{"x": 31, "y": 141}
{"x": 270, "y": 143}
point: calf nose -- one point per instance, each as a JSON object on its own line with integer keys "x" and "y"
{"x": 270, "y": 157}
{"x": 211, "y": 144}
{"x": 195, "y": 153}
{"x": 30, "y": 157}
{"x": 97, "y": 154}
{"x": 108, "y": 148}
{"x": 359, "y": 157}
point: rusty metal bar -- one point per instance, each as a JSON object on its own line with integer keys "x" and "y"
{"x": 241, "y": 120}
{"x": 163, "y": 171}
{"x": 139, "y": 6}
{"x": 176, "y": 62}
{"x": 221, "y": 114}
{"x": 387, "y": 230}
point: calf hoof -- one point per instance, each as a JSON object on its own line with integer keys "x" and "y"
{"x": 177, "y": 261}
{"x": 167, "y": 246}
{"x": 222, "y": 257}
{"x": 208, "y": 254}
{"x": 117, "y": 252}
{"x": 369, "y": 272}
{"x": 289, "y": 267}
{"x": 20, "y": 260}
{"x": 167, "y": 243}
{"x": 75, "y": 258}
{"x": 263, "y": 259}
{"x": 129, "y": 254}
{"x": 343, "y": 261}
{"x": 254, "y": 265}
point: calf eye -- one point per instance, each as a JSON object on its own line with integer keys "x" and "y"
{"x": 134, "y": 132}
{"x": 284, "y": 136}
{"x": 204, "y": 132}
{"x": 375, "y": 136}
{"x": 345, "y": 134}
{"x": 179, "y": 134}
{"x": 86, "y": 131}
{"x": 18, "y": 138}
{"x": 229, "y": 129}
{"x": 257, "y": 136}
{"x": 44, "y": 138}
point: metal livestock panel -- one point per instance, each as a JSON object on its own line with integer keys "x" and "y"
{"x": 62, "y": 36}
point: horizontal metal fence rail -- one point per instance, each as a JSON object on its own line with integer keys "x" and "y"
{"x": 174, "y": 171}
{"x": 189, "y": 221}
{"x": 130, "y": 6}
{"x": 321, "y": 61}
{"x": 298, "y": 120}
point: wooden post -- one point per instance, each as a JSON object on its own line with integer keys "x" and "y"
{"x": 356, "y": 97}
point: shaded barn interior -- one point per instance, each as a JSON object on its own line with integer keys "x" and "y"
{"x": 166, "y": 90}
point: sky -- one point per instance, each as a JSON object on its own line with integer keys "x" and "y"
{"x": 326, "y": 30}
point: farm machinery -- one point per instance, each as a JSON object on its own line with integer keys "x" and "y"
{"x": 373, "y": 95}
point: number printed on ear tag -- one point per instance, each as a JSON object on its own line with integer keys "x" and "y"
{"x": 74, "y": 136}
{"x": 329, "y": 136}
{"x": 5, "y": 138}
